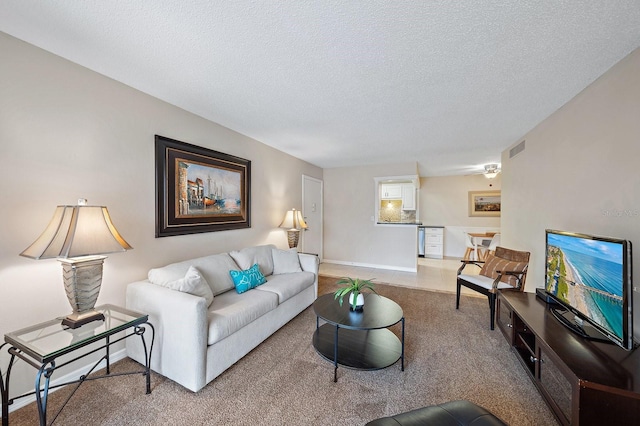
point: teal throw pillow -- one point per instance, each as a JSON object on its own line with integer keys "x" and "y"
{"x": 247, "y": 279}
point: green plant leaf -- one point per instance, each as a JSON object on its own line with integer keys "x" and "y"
{"x": 355, "y": 285}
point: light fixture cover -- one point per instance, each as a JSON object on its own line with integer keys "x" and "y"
{"x": 293, "y": 220}
{"x": 491, "y": 170}
{"x": 77, "y": 231}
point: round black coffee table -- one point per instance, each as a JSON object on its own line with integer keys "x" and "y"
{"x": 359, "y": 340}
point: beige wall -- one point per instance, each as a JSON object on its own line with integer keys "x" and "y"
{"x": 66, "y": 133}
{"x": 444, "y": 201}
{"x": 351, "y": 237}
{"x": 579, "y": 171}
{"x": 350, "y": 233}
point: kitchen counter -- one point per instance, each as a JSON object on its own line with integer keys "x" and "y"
{"x": 399, "y": 223}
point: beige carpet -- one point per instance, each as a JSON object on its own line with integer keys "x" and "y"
{"x": 449, "y": 355}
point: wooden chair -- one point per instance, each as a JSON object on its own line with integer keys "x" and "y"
{"x": 506, "y": 270}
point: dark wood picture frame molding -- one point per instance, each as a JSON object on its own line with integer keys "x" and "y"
{"x": 199, "y": 189}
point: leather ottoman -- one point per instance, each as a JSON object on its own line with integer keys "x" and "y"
{"x": 453, "y": 413}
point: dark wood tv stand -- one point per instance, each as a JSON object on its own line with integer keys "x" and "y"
{"x": 583, "y": 382}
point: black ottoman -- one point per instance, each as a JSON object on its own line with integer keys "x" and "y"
{"x": 453, "y": 413}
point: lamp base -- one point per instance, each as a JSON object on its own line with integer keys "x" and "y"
{"x": 293, "y": 235}
{"x": 82, "y": 278}
{"x": 78, "y": 319}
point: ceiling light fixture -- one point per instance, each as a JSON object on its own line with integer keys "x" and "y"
{"x": 491, "y": 170}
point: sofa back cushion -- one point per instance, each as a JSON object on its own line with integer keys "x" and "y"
{"x": 285, "y": 261}
{"x": 214, "y": 269}
{"x": 249, "y": 256}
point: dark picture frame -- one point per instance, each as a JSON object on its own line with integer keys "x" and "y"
{"x": 199, "y": 189}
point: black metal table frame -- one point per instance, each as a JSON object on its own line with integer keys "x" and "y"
{"x": 48, "y": 365}
{"x": 335, "y": 343}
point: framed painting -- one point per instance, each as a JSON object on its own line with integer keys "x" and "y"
{"x": 199, "y": 190}
{"x": 484, "y": 203}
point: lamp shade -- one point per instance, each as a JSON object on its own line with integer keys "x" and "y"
{"x": 77, "y": 231}
{"x": 293, "y": 220}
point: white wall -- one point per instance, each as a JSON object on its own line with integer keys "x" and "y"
{"x": 444, "y": 201}
{"x": 579, "y": 171}
{"x": 350, "y": 233}
{"x": 66, "y": 133}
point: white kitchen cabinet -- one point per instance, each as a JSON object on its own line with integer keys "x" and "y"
{"x": 434, "y": 242}
{"x": 391, "y": 191}
{"x": 408, "y": 197}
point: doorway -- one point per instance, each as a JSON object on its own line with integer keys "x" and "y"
{"x": 312, "y": 212}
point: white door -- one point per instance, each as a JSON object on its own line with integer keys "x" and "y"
{"x": 312, "y": 212}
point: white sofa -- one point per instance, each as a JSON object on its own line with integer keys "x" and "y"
{"x": 194, "y": 341}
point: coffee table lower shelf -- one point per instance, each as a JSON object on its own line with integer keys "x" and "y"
{"x": 358, "y": 349}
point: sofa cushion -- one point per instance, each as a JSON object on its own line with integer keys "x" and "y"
{"x": 261, "y": 255}
{"x": 231, "y": 311}
{"x": 285, "y": 261}
{"x": 192, "y": 283}
{"x": 214, "y": 269}
{"x": 484, "y": 282}
{"x": 287, "y": 286}
{"x": 247, "y": 279}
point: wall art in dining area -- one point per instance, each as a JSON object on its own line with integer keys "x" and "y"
{"x": 484, "y": 203}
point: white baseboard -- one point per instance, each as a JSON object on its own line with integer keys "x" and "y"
{"x": 369, "y": 265}
{"x": 74, "y": 375}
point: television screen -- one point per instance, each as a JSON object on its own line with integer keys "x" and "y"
{"x": 591, "y": 276}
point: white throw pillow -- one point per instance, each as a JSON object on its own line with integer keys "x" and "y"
{"x": 192, "y": 283}
{"x": 247, "y": 257}
{"x": 285, "y": 261}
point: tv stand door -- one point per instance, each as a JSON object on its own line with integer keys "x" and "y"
{"x": 554, "y": 383}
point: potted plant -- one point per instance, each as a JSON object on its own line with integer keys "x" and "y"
{"x": 354, "y": 287}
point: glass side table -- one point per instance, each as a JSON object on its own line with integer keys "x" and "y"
{"x": 41, "y": 344}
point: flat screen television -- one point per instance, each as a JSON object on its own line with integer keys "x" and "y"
{"x": 590, "y": 278}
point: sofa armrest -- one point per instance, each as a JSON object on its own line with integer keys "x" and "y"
{"x": 309, "y": 262}
{"x": 180, "y": 322}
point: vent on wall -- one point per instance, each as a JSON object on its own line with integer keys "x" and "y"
{"x": 516, "y": 149}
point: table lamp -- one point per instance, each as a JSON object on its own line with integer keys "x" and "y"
{"x": 293, "y": 221}
{"x": 78, "y": 236}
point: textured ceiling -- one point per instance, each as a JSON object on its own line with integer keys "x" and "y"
{"x": 449, "y": 84}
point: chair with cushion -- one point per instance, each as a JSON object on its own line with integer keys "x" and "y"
{"x": 453, "y": 413}
{"x": 504, "y": 270}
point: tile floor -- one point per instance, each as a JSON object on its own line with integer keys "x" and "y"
{"x": 433, "y": 274}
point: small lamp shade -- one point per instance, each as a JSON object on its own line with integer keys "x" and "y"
{"x": 293, "y": 221}
{"x": 78, "y": 236}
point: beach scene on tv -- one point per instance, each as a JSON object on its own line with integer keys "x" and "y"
{"x": 587, "y": 274}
